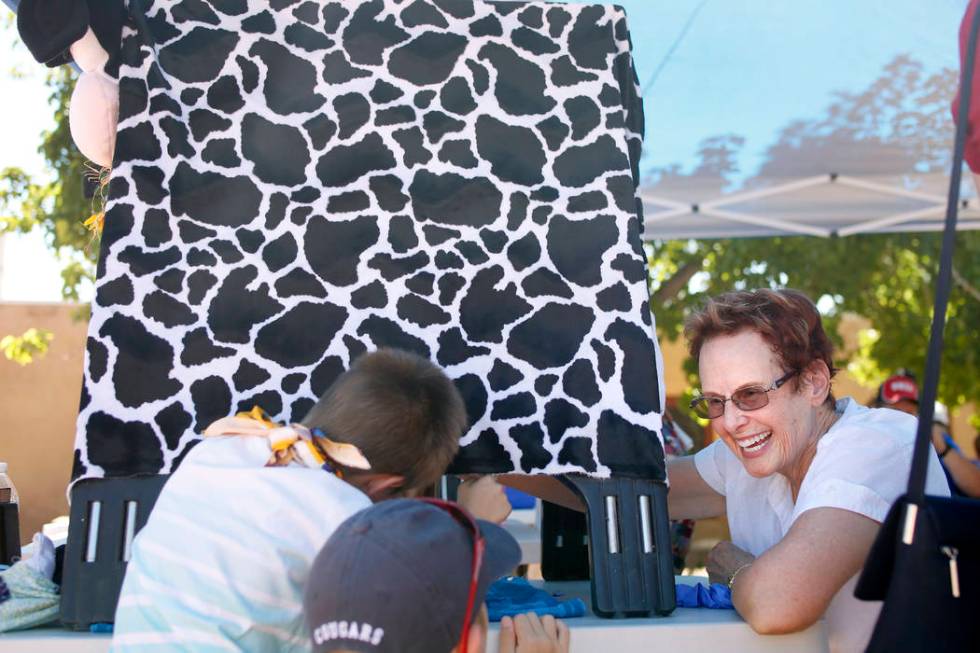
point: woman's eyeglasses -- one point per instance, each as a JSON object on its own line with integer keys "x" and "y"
{"x": 753, "y": 397}
{"x": 465, "y": 520}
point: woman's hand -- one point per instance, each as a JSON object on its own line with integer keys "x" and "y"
{"x": 528, "y": 633}
{"x": 724, "y": 560}
{"x": 484, "y": 498}
{"x": 938, "y": 441}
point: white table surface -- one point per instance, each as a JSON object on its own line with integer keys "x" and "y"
{"x": 53, "y": 640}
{"x": 689, "y": 630}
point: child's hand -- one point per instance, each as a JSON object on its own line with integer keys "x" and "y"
{"x": 527, "y": 633}
{"x": 484, "y": 498}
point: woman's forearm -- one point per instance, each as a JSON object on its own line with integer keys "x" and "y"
{"x": 762, "y": 601}
{"x": 790, "y": 586}
{"x": 965, "y": 474}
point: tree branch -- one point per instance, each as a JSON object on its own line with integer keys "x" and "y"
{"x": 965, "y": 285}
{"x": 676, "y": 283}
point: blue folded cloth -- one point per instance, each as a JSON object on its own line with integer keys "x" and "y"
{"x": 509, "y": 597}
{"x": 715, "y": 596}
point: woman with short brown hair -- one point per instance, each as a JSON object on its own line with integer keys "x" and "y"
{"x": 804, "y": 480}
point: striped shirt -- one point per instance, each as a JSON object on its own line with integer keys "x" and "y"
{"x": 222, "y": 562}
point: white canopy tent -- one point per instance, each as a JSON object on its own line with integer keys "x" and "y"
{"x": 822, "y": 205}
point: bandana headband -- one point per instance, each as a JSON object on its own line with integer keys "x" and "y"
{"x": 292, "y": 443}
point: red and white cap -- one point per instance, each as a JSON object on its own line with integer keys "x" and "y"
{"x": 899, "y": 387}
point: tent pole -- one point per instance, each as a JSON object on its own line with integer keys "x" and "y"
{"x": 647, "y": 196}
{"x": 666, "y": 215}
{"x": 854, "y": 182}
{"x": 765, "y": 192}
{"x": 887, "y": 221}
{"x": 773, "y": 223}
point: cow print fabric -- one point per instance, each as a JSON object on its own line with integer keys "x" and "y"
{"x": 296, "y": 183}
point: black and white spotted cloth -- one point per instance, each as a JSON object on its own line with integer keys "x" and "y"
{"x": 298, "y": 182}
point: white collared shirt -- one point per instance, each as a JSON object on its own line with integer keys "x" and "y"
{"x": 862, "y": 464}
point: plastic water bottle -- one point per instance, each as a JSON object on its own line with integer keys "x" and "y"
{"x": 9, "y": 525}
{"x": 8, "y": 493}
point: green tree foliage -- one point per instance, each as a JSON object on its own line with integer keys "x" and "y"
{"x": 889, "y": 279}
{"x": 23, "y": 349}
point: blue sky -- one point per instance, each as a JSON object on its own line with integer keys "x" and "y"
{"x": 742, "y": 66}
{"x": 752, "y": 66}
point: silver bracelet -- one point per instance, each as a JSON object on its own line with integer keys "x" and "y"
{"x": 731, "y": 579}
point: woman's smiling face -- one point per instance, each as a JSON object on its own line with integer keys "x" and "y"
{"x": 768, "y": 440}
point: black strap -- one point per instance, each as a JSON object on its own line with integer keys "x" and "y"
{"x": 927, "y": 399}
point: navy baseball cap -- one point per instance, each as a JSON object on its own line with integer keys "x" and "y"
{"x": 395, "y": 578}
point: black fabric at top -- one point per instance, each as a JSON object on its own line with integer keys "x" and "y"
{"x": 49, "y": 28}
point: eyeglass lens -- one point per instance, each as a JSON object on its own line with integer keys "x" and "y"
{"x": 751, "y": 398}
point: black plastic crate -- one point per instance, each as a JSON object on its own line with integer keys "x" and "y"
{"x": 105, "y": 516}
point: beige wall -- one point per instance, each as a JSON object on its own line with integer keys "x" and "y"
{"x": 38, "y": 405}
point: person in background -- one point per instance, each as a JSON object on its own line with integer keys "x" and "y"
{"x": 899, "y": 391}
{"x": 410, "y": 576}
{"x": 962, "y": 473}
